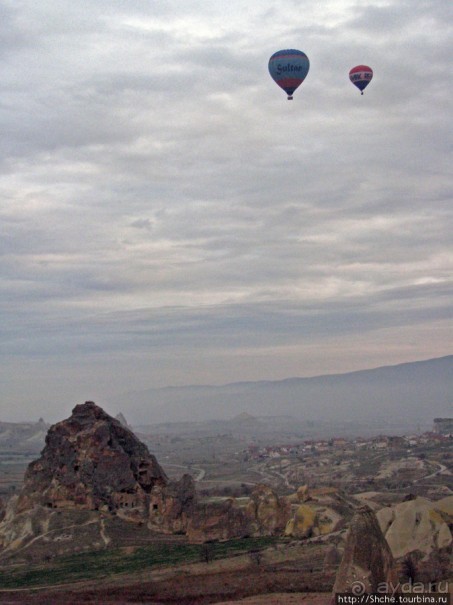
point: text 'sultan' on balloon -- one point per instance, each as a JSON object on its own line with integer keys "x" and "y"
{"x": 289, "y": 68}
{"x": 361, "y": 76}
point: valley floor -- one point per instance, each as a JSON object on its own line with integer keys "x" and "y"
{"x": 282, "y": 577}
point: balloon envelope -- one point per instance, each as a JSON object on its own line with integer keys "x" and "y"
{"x": 361, "y": 76}
{"x": 288, "y": 68}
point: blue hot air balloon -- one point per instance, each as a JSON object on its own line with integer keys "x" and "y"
{"x": 288, "y": 68}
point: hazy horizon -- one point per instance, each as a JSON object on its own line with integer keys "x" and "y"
{"x": 419, "y": 390}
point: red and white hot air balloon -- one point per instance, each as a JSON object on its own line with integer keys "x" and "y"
{"x": 361, "y": 76}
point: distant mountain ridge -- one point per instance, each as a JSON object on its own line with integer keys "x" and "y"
{"x": 27, "y": 437}
{"x": 414, "y": 391}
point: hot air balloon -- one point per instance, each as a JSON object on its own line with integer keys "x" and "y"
{"x": 289, "y": 68}
{"x": 361, "y": 76}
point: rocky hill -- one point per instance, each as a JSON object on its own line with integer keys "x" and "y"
{"x": 94, "y": 466}
{"x": 91, "y": 461}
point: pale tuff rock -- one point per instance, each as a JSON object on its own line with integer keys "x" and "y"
{"x": 316, "y": 512}
{"x": 16, "y": 529}
{"x": 268, "y": 513}
{"x": 313, "y": 520}
{"x": 303, "y": 523}
{"x": 416, "y": 525}
{"x": 41, "y": 532}
{"x": 303, "y": 493}
{"x": 445, "y": 507}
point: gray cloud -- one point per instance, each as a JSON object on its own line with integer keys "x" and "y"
{"x": 163, "y": 204}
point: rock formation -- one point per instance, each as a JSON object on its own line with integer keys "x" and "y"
{"x": 265, "y": 515}
{"x": 445, "y": 507}
{"x": 267, "y": 512}
{"x": 172, "y": 505}
{"x": 120, "y": 417}
{"x": 367, "y": 561}
{"x": 303, "y": 493}
{"x": 303, "y": 523}
{"x": 92, "y": 462}
{"x": 218, "y": 521}
{"x": 313, "y": 519}
{"x": 317, "y": 512}
{"x": 93, "y": 465}
{"x": 416, "y": 525}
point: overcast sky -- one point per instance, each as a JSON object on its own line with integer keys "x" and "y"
{"x": 167, "y": 217}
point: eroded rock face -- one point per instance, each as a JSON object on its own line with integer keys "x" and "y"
{"x": 267, "y": 512}
{"x": 172, "y": 505}
{"x": 367, "y": 561}
{"x": 175, "y": 508}
{"x": 303, "y": 493}
{"x": 417, "y": 524}
{"x": 312, "y": 519}
{"x": 217, "y": 521}
{"x": 90, "y": 461}
{"x": 16, "y": 529}
{"x": 303, "y": 523}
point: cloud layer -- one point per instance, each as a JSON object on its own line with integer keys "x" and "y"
{"x": 168, "y": 217}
